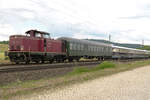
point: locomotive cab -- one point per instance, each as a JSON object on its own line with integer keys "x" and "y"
{"x": 36, "y": 46}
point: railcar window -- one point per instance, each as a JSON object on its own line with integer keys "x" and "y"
{"x": 81, "y": 47}
{"x": 74, "y": 46}
{"x": 102, "y": 49}
{"x": 106, "y": 49}
{"x": 71, "y": 46}
{"x": 78, "y": 45}
{"x": 89, "y": 49}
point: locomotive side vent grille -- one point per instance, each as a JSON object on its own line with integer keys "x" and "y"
{"x": 18, "y": 47}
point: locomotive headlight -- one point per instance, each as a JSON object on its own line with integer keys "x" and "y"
{"x": 22, "y": 48}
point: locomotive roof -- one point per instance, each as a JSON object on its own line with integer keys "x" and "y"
{"x": 41, "y": 32}
{"x": 83, "y": 41}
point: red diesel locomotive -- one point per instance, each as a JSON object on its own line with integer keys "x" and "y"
{"x": 36, "y": 46}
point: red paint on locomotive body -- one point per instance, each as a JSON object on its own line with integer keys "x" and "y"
{"x": 35, "y": 44}
{"x": 26, "y": 44}
{"x": 54, "y": 46}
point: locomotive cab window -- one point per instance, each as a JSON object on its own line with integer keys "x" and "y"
{"x": 37, "y": 35}
{"x": 46, "y": 36}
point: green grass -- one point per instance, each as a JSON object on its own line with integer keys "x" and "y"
{"x": 78, "y": 75}
{"x": 103, "y": 65}
{"x": 145, "y": 47}
{"x": 3, "y": 47}
{"x": 2, "y": 57}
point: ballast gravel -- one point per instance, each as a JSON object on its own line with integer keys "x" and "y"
{"x": 129, "y": 85}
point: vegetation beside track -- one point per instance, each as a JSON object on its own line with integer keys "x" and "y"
{"x": 3, "y": 48}
{"x": 77, "y": 76}
{"x": 145, "y": 47}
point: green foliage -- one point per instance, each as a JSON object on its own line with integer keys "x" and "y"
{"x": 3, "y": 47}
{"x": 4, "y": 42}
{"x": 2, "y": 57}
{"x": 146, "y": 47}
{"x": 103, "y": 65}
{"x": 79, "y": 70}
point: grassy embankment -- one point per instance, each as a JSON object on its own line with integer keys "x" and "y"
{"x": 3, "y": 48}
{"x": 78, "y": 75}
{"x": 145, "y": 47}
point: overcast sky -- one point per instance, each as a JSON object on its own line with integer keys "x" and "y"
{"x": 128, "y": 21}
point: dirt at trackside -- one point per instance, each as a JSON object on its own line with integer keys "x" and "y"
{"x": 6, "y": 78}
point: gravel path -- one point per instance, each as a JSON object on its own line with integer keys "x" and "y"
{"x": 130, "y": 85}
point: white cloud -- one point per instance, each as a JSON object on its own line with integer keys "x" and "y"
{"x": 5, "y": 31}
{"x": 125, "y": 20}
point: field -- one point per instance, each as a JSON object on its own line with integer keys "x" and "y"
{"x": 146, "y": 47}
{"x": 2, "y": 57}
{"x": 3, "y": 48}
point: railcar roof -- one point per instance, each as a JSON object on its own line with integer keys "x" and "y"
{"x": 129, "y": 48}
{"x": 41, "y": 32}
{"x": 83, "y": 41}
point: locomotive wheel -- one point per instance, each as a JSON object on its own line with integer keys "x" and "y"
{"x": 17, "y": 62}
{"x": 37, "y": 62}
{"x": 59, "y": 60}
{"x": 51, "y": 61}
{"x": 42, "y": 61}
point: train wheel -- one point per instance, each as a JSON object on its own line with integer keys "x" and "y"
{"x": 17, "y": 62}
{"x": 77, "y": 59}
{"x": 42, "y": 61}
{"x": 59, "y": 60}
{"x": 51, "y": 61}
{"x": 37, "y": 62}
{"x": 70, "y": 60}
{"x": 27, "y": 62}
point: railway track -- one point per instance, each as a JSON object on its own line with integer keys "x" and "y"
{"x": 15, "y": 73}
{"x": 7, "y": 68}
{"x": 17, "y": 68}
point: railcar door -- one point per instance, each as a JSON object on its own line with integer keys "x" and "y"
{"x": 64, "y": 46}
